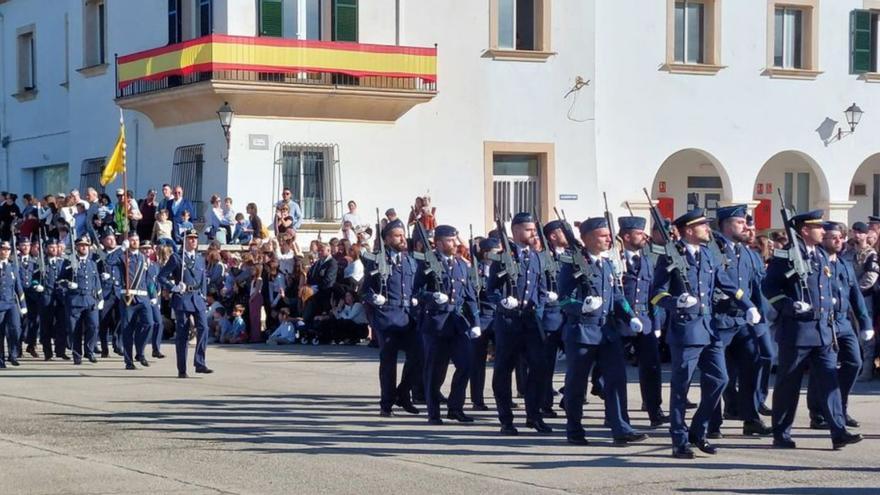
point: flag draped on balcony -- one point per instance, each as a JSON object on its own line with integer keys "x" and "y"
{"x": 116, "y": 163}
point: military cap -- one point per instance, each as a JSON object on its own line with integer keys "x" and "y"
{"x": 108, "y": 232}
{"x": 551, "y": 226}
{"x": 522, "y": 217}
{"x": 132, "y": 234}
{"x": 490, "y": 243}
{"x": 830, "y": 226}
{"x": 873, "y": 219}
{"x": 732, "y": 211}
{"x": 592, "y": 224}
{"x": 861, "y": 227}
{"x": 146, "y": 244}
{"x": 811, "y": 217}
{"x": 192, "y": 233}
{"x": 84, "y": 240}
{"x": 24, "y": 240}
{"x": 5, "y": 245}
{"x": 445, "y": 231}
{"x": 631, "y": 223}
{"x": 694, "y": 217}
{"x": 51, "y": 242}
{"x": 394, "y": 224}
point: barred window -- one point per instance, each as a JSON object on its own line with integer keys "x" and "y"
{"x": 311, "y": 172}
{"x": 189, "y": 164}
{"x": 90, "y": 174}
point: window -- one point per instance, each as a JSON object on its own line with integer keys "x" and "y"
{"x": 175, "y": 22}
{"x": 50, "y": 180}
{"x": 519, "y": 26}
{"x": 345, "y": 20}
{"x": 797, "y": 190}
{"x": 90, "y": 174}
{"x": 311, "y": 174}
{"x": 864, "y": 27}
{"x": 27, "y": 73}
{"x": 187, "y": 170}
{"x": 788, "y": 38}
{"x": 515, "y": 185}
{"x": 204, "y": 17}
{"x": 689, "y": 33}
{"x": 271, "y": 20}
{"x": 95, "y": 33}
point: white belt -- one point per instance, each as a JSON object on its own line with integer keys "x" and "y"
{"x": 134, "y": 293}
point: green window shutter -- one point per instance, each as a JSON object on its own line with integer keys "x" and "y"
{"x": 270, "y": 18}
{"x": 345, "y": 20}
{"x": 862, "y": 51}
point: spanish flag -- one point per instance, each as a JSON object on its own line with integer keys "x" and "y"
{"x": 116, "y": 163}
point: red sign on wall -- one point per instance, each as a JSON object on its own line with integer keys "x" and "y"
{"x": 661, "y": 186}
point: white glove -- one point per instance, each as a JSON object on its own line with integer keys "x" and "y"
{"x": 440, "y": 298}
{"x": 23, "y": 310}
{"x": 867, "y": 335}
{"x": 834, "y": 301}
{"x": 179, "y": 287}
{"x": 722, "y": 296}
{"x": 125, "y": 244}
{"x": 154, "y": 301}
{"x": 100, "y": 305}
{"x": 379, "y": 300}
{"x": 314, "y": 288}
{"x": 753, "y": 317}
{"x": 552, "y": 296}
{"x": 105, "y": 276}
{"x": 73, "y": 286}
{"x": 474, "y": 332}
{"x": 801, "y": 307}
{"x": 635, "y": 325}
{"x": 657, "y": 333}
{"x": 685, "y": 301}
{"x": 39, "y": 288}
{"x": 414, "y": 302}
{"x": 591, "y": 303}
{"x": 509, "y": 302}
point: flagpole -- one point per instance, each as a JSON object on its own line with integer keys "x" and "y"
{"x": 125, "y": 199}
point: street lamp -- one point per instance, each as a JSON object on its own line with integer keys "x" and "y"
{"x": 853, "y": 116}
{"x": 225, "y": 113}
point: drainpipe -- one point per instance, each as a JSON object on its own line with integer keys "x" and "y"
{"x": 4, "y": 133}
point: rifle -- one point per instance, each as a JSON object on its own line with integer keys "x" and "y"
{"x": 669, "y": 249}
{"x": 574, "y": 256}
{"x": 799, "y": 266}
{"x": 42, "y": 256}
{"x": 629, "y": 209}
{"x": 17, "y": 266}
{"x": 379, "y": 258}
{"x": 433, "y": 269}
{"x": 551, "y": 267}
{"x": 509, "y": 266}
{"x": 474, "y": 272}
{"x": 617, "y": 262}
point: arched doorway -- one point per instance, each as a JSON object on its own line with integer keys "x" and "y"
{"x": 865, "y": 189}
{"x": 690, "y": 178}
{"x": 801, "y": 181}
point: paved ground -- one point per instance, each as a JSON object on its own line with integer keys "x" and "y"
{"x": 303, "y": 420}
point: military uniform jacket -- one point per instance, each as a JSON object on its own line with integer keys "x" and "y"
{"x": 589, "y": 328}
{"x": 152, "y": 277}
{"x": 112, "y": 276}
{"x": 758, "y": 297}
{"x": 194, "y": 277}
{"x": 449, "y": 318}
{"x": 136, "y": 266}
{"x": 88, "y": 291}
{"x": 27, "y": 269}
{"x": 49, "y": 279}
{"x": 693, "y": 326}
{"x": 848, "y": 301}
{"x": 395, "y": 313}
{"x": 531, "y": 285}
{"x": 637, "y": 282}
{"x": 810, "y": 329}
{"x": 10, "y": 287}
{"x": 487, "y": 307}
{"x": 740, "y": 268}
{"x": 553, "y": 317}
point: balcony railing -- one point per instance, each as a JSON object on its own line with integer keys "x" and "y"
{"x": 277, "y": 61}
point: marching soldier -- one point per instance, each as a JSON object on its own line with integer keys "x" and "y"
{"x": 109, "y": 262}
{"x": 806, "y": 311}
{"x": 847, "y": 301}
{"x": 763, "y": 338}
{"x": 444, "y": 328}
{"x": 391, "y": 308}
{"x": 738, "y": 337}
{"x": 867, "y": 271}
{"x": 154, "y": 292}
{"x": 53, "y": 324}
{"x": 553, "y": 318}
{"x": 186, "y": 277}
{"x": 480, "y": 345}
{"x": 637, "y": 283}
{"x": 591, "y": 295}
{"x": 519, "y": 304}
{"x": 685, "y": 293}
{"x": 83, "y": 302}
{"x": 11, "y": 304}
{"x": 30, "y": 324}
{"x": 136, "y": 303}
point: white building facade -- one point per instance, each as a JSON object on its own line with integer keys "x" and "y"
{"x": 703, "y": 102}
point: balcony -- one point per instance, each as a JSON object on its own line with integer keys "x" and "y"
{"x": 273, "y": 77}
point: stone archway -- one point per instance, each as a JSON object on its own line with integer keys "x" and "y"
{"x": 801, "y": 180}
{"x": 690, "y": 178}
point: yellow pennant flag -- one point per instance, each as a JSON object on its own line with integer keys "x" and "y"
{"x": 116, "y": 163}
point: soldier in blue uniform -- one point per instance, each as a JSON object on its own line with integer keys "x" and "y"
{"x": 154, "y": 291}
{"x": 553, "y": 318}
{"x": 805, "y": 334}
{"x": 848, "y": 304}
{"x": 738, "y": 337}
{"x": 109, "y": 261}
{"x": 53, "y": 323}
{"x": 136, "y": 303}
{"x": 764, "y": 339}
{"x": 11, "y": 303}
{"x": 186, "y": 277}
{"x": 82, "y": 299}
{"x": 30, "y": 324}
{"x": 637, "y": 283}
{"x": 480, "y": 345}
{"x": 444, "y": 327}
{"x": 693, "y": 341}
{"x": 391, "y": 307}
{"x": 518, "y": 326}
{"x": 591, "y": 337}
